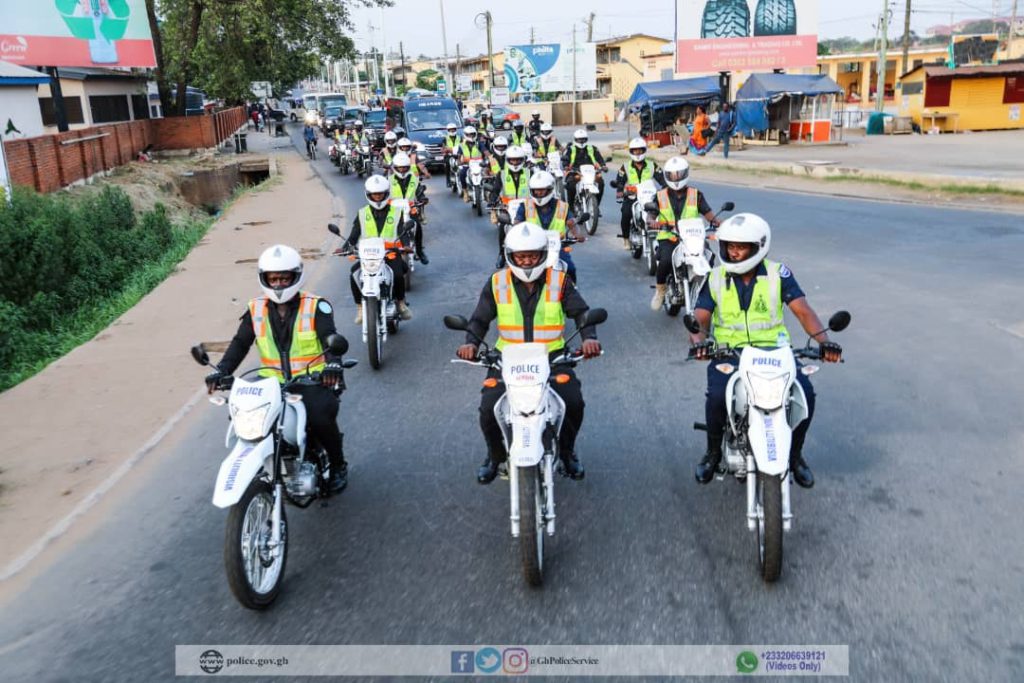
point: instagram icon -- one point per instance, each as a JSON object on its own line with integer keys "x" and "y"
{"x": 515, "y": 660}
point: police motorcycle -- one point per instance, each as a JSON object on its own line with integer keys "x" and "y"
{"x": 692, "y": 260}
{"x": 451, "y": 176}
{"x": 411, "y": 216}
{"x": 375, "y": 277}
{"x": 362, "y": 158}
{"x": 272, "y": 462}
{"x": 475, "y": 178}
{"x": 530, "y": 415}
{"x": 586, "y": 197}
{"x": 556, "y": 241}
{"x": 764, "y": 403}
{"x": 553, "y": 165}
{"x": 643, "y": 239}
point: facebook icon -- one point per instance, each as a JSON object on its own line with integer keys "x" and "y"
{"x": 462, "y": 661}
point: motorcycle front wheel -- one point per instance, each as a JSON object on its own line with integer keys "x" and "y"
{"x": 769, "y": 526}
{"x": 254, "y": 574}
{"x": 592, "y": 209}
{"x": 531, "y": 524}
{"x": 652, "y": 259}
{"x": 478, "y": 200}
{"x": 374, "y": 342}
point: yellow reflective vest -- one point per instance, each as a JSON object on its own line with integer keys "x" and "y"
{"x": 305, "y": 347}
{"x": 548, "y": 320}
{"x": 762, "y": 323}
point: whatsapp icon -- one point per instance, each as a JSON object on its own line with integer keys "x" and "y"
{"x": 746, "y": 662}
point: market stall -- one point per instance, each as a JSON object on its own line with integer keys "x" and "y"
{"x": 787, "y": 107}
{"x": 660, "y": 103}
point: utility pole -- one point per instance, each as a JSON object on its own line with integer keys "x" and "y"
{"x": 882, "y": 46}
{"x": 458, "y": 66}
{"x": 405, "y": 76}
{"x": 490, "y": 46}
{"x": 574, "y": 73}
{"x": 444, "y": 44}
{"x": 533, "y": 36}
{"x": 1013, "y": 26}
{"x": 384, "y": 54}
{"x": 590, "y": 30}
{"x": 906, "y": 39}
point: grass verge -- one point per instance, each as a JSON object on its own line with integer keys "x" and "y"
{"x": 76, "y": 328}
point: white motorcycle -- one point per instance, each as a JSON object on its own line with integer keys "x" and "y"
{"x": 530, "y": 415}
{"x": 643, "y": 238}
{"x": 475, "y": 176}
{"x": 345, "y": 161}
{"x": 363, "y": 161}
{"x": 586, "y": 197}
{"x": 554, "y": 167}
{"x": 375, "y": 278}
{"x": 765, "y": 403}
{"x": 271, "y": 463}
{"x": 692, "y": 260}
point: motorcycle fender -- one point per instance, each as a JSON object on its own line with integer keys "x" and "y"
{"x": 240, "y": 468}
{"x": 527, "y": 448}
{"x": 294, "y": 428}
{"x": 770, "y": 437}
{"x": 371, "y": 286}
{"x": 797, "y": 405}
{"x": 735, "y": 401}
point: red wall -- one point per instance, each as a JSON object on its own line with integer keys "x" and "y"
{"x": 46, "y": 164}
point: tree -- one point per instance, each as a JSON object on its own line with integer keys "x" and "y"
{"x": 427, "y": 79}
{"x": 222, "y": 46}
{"x": 823, "y": 49}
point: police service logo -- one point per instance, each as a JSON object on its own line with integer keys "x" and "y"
{"x": 784, "y": 271}
{"x": 211, "y": 661}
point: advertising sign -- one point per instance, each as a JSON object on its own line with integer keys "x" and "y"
{"x": 499, "y": 95}
{"x": 550, "y": 67}
{"x": 76, "y": 33}
{"x": 746, "y": 35}
{"x": 464, "y": 83}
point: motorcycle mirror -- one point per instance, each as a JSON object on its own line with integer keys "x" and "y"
{"x": 651, "y": 206}
{"x": 839, "y": 321}
{"x": 503, "y": 217}
{"x": 595, "y": 316}
{"x": 728, "y": 206}
{"x": 456, "y": 322}
{"x": 334, "y": 228}
{"x": 583, "y": 217}
{"x": 349, "y": 363}
{"x": 337, "y": 344}
{"x": 200, "y": 355}
{"x": 691, "y": 324}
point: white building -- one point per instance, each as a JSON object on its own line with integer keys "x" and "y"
{"x": 19, "y": 101}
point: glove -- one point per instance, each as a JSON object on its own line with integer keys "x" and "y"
{"x": 213, "y": 380}
{"x": 702, "y": 350}
{"x": 830, "y": 351}
{"x": 332, "y": 374}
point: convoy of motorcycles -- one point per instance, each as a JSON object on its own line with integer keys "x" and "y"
{"x": 271, "y": 461}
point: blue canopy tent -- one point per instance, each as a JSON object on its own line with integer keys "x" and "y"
{"x": 762, "y": 90}
{"x": 652, "y": 99}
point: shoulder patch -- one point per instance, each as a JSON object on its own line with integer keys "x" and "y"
{"x": 325, "y": 307}
{"x": 784, "y": 271}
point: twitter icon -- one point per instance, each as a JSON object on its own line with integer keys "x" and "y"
{"x": 488, "y": 660}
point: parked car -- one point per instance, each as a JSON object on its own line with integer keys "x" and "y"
{"x": 376, "y": 122}
{"x": 503, "y": 117}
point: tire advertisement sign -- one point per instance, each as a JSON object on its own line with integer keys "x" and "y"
{"x": 76, "y": 33}
{"x": 746, "y": 35}
{"x": 550, "y": 67}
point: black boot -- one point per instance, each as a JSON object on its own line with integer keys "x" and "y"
{"x": 707, "y": 467}
{"x": 422, "y": 256}
{"x": 801, "y": 472}
{"x": 339, "y": 471}
{"x": 572, "y": 467}
{"x": 489, "y": 469}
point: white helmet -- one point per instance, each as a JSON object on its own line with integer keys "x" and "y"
{"x": 542, "y": 187}
{"x": 390, "y": 138}
{"x": 281, "y": 259}
{"x": 518, "y": 123}
{"x": 358, "y": 123}
{"x": 535, "y": 113}
{"x": 580, "y": 138}
{"x": 638, "y": 143}
{"x": 747, "y": 228}
{"x": 515, "y": 157}
{"x": 377, "y": 184}
{"x": 500, "y": 145}
{"x": 451, "y": 128}
{"x": 403, "y": 143}
{"x": 470, "y": 133}
{"x": 677, "y": 173}
{"x": 526, "y": 237}
{"x": 401, "y": 161}
{"x": 545, "y": 129}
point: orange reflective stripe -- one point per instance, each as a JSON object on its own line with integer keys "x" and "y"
{"x": 555, "y": 281}
{"x": 257, "y": 309}
{"x": 501, "y": 285}
{"x": 307, "y": 313}
{"x": 562, "y": 211}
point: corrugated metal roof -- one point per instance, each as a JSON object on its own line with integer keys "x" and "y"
{"x": 935, "y": 71}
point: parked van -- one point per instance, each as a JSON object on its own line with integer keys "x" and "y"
{"x": 314, "y": 103}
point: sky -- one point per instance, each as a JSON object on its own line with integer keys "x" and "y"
{"x": 417, "y": 23}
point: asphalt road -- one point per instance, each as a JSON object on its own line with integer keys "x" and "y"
{"x": 909, "y": 548}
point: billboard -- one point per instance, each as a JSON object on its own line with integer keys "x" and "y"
{"x": 76, "y": 33}
{"x": 549, "y": 67}
{"x": 746, "y": 35}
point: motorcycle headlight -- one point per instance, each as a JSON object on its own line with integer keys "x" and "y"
{"x": 372, "y": 266}
{"x": 768, "y": 392}
{"x": 249, "y": 423}
{"x": 525, "y": 400}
